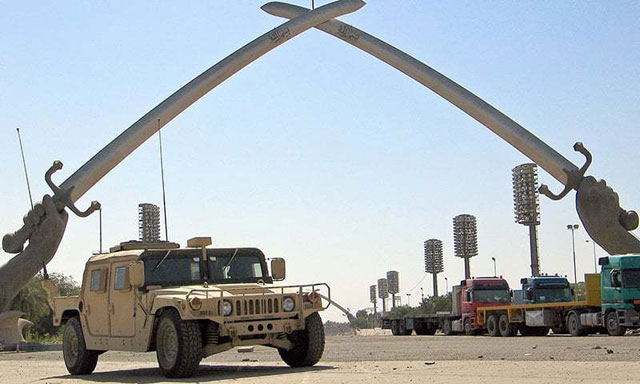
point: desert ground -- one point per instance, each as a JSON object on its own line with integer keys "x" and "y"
{"x": 373, "y": 358}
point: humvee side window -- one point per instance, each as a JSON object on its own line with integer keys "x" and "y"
{"x": 257, "y": 270}
{"x": 95, "y": 280}
{"x": 121, "y": 283}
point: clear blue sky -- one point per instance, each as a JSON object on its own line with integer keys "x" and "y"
{"x": 318, "y": 152}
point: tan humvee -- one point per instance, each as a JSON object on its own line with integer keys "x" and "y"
{"x": 187, "y": 304}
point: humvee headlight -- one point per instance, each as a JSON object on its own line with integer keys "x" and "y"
{"x": 227, "y": 308}
{"x": 288, "y": 304}
{"x": 195, "y": 304}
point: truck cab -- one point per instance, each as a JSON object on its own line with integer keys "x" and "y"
{"x": 543, "y": 289}
{"x": 479, "y": 292}
{"x": 620, "y": 292}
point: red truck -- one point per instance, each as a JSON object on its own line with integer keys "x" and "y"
{"x": 466, "y": 298}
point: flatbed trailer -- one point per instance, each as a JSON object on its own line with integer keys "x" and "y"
{"x": 421, "y": 324}
{"x": 574, "y": 317}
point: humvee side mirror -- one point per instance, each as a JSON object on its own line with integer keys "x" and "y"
{"x": 278, "y": 269}
{"x": 136, "y": 274}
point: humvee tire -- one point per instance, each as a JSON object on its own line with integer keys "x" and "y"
{"x": 178, "y": 345}
{"x": 308, "y": 344}
{"x": 78, "y": 359}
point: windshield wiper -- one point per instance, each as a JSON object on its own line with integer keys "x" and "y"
{"x": 230, "y": 261}
{"x": 161, "y": 261}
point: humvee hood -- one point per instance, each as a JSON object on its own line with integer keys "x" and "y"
{"x": 214, "y": 290}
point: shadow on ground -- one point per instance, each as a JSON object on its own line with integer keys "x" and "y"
{"x": 204, "y": 373}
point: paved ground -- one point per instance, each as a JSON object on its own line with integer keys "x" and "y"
{"x": 440, "y": 359}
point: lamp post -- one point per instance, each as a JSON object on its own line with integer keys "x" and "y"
{"x": 422, "y": 294}
{"x": 572, "y": 228}
{"x": 494, "y": 267}
{"x": 595, "y": 261}
{"x": 446, "y": 284}
{"x": 408, "y": 299}
{"x": 100, "y": 218}
{"x": 527, "y": 207}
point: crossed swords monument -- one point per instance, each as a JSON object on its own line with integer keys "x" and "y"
{"x": 43, "y": 227}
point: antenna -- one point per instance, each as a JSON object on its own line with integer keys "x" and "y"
{"x": 100, "y": 218}
{"x": 24, "y": 164}
{"x": 164, "y": 196}
{"x": 45, "y": 274}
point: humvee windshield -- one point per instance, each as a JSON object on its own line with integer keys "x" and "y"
{"x": 185, "y": 267}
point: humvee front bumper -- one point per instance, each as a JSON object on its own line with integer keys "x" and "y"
{"x": 261, "y": 327}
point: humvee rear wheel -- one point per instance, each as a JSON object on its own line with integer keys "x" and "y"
{"x": 178, "y": 345}
{"x": 308, "y": 344}
{"x": 78, "y": 359}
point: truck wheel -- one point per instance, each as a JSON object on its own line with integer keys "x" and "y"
{"x": 308, "y": 344}
{"x": 613, "y": 325}
{"x": 403, "y": 328}
{"x": 492, "y": 326}
{"x": 506, "y": 328}
{"x": 573, "y": 325}
{"x": 446, "y": 327}
{"x": 178, "y": 345}
{"x": 468, "y": 328}
{"x": 395, "y": 327}
{"x": 78, "y": 359}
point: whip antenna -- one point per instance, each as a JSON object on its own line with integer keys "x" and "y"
{"x": 164, "y": 196}
{"x": 24, "y": 165}
{"x": 26, "y": 177}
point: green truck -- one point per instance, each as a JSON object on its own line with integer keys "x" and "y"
{"x": 620, "y": 293}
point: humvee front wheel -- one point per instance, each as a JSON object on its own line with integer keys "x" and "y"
{"x": 78, "y": 359}
{"x": 308, "y": 344}
{"x": 178, "y": 345}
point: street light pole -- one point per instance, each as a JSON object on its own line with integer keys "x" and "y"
{"x": 595, "y": 261}
{"x": 446, "y": 284}
{"x": 409, "y": 299}
{"x": 494, "y": 267}
{"x": 573, "y": 228}
{"x": 422, "y": 294}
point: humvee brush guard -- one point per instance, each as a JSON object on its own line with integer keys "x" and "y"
{"x": 187, "y": 304}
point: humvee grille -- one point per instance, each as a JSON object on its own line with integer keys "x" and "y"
{"x": 261, "y": 306}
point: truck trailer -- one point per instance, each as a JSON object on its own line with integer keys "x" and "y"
{"x": 466, "y": 298}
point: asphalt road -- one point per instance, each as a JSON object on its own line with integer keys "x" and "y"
{"x": 551, "y": 359}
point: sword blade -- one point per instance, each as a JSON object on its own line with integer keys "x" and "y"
{"x": 116, "y": 151}
{"x": 503, "y": 126}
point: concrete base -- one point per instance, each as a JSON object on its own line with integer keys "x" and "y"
{"x": 12, "y": 327}
{"x": 29, "y": 347}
